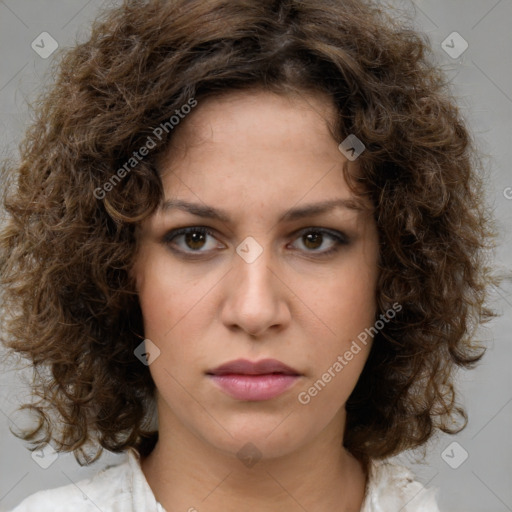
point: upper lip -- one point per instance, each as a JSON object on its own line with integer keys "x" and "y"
{"x": 245, "y": 367}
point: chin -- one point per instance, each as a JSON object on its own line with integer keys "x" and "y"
{"x": 266, "y": 438}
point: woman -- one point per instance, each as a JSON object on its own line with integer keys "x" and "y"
{"x": 259, "y": 222}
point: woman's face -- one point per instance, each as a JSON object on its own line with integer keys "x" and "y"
{"x": 268, "y": 280}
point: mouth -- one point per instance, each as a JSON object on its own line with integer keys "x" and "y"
{"x": 254, "y": 381}
{"x": 245, "y": 367}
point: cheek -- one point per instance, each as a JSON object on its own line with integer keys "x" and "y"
{"x": 340, "y": 342}
{"x": 354, "y": 302}
{"x": 176, "y": 314}
{"x": 343, "y": 305}
{"x": 157, "y": 290}
{"x": 353, "y": 306}
{"x": 340, "y": 349}
{"x": 167, "y": 296}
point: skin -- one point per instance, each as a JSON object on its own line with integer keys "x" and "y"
{"x": 256, "y": 155}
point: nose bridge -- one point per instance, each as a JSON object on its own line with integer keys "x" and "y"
{"x": 253, "y": 301}
{"x": 252, "y": 264}
{"x": 253, "y": 276}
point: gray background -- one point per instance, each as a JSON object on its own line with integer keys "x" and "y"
{"x": 482, "y": 80}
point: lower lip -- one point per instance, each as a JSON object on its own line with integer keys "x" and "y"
{"x": 254, "y": 387}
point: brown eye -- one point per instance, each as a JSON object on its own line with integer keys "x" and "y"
{"x": 314, "y": 238}
{"x": 191, "y": 240}
{"x": 195, "y": 240}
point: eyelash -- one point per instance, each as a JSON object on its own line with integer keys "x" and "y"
{"x": 340, "y": 239}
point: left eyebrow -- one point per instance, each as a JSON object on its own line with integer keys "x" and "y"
{"x": 308, "y": 210}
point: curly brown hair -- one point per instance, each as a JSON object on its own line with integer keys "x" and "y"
{"x": 70, "y": 304}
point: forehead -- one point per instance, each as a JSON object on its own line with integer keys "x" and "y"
{"x": 255, "y": 150}
{"x": 256, "y": 121}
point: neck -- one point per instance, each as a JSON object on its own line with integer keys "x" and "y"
{"x": 186, "y": 473}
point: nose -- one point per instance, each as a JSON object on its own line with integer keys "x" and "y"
{"x": 255, "y": 297}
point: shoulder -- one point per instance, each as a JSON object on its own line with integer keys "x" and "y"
{"x": 107, "y": 490}
{"x": 393, "y": 487}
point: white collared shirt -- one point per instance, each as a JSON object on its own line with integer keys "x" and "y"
{"x": 124, "y": 488}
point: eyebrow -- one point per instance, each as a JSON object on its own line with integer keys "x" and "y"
{"x": 308, "y": 210}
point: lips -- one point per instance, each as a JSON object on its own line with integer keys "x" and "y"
{"x": 245, "y": 367}
{"x": 248, "y": 381}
